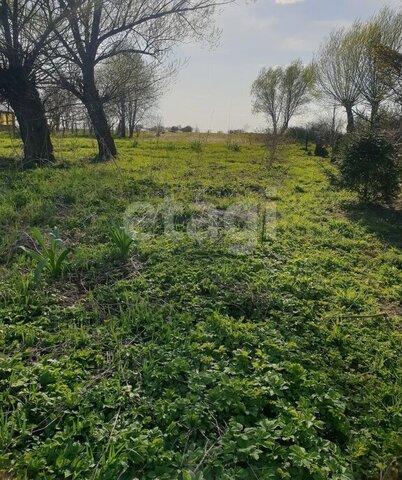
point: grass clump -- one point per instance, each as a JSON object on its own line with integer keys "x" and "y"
{"x": 196, "y": 146}
{"x": 122, "y": 242}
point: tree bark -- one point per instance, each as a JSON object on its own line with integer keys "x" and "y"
{"x": 94, "y": 105}
{"x": 375, "y": 108}
{"x": 23, "y": 96}
{"x": 351, "y": 121}
{"x": 106, "y": 145}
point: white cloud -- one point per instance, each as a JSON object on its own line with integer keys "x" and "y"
{"x": 285, "y": 2}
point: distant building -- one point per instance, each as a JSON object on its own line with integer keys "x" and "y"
{"x": 7, "y": 120}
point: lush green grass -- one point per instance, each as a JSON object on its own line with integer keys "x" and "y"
{"x": 188, "y": 360}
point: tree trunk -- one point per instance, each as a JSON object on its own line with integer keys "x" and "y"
{"x": 275, "y": 128}
{"x": 24, "y": 99}
{"x": 284, "y": 127}
{"x": 375, "y": 107}
{"x": 57, "y": 123}
{"x": 94, "y": 105}
{"x": 106, "y": 145}
{"x": 351, "y": 121}
{"x": 133, "y": 107}
{"x": 333, "y": 136}
{"x": 122, "y": 123}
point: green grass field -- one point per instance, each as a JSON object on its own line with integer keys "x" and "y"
{"x": 270, "y": 351}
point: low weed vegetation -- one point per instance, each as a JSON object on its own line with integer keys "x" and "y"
{"x": 196, "y": 146}
{"x": 189, "y": 361}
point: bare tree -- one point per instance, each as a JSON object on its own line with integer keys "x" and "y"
{"x": 338, "y": 70}
{"x": 102, "y": 29}
{"x": 63, "y": 110}
{"x": 132, "y": 87}
{"x": 267, "y": 95}
{"x": 279, "y": 93}
{"x": 25, "y": 32}
{"x": 384, "y": 29}
{"x": 297, "y": 83}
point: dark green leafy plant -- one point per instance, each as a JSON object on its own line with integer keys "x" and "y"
{"x": 196, "y": 146}
{"x": 122, "y": 241}
{"x": 234, "y": 147}
{"x": 50, "y": 258}
{"x": 369, "y": 166}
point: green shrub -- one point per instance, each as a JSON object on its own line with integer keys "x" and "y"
{"x": 321, "y": 150}
{"x": 234, "y": 147}
{"x": 369, "y": 166}
{"x": 196, "y": 146}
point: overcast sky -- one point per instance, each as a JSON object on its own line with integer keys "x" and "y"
{"x": 213, "y": 90}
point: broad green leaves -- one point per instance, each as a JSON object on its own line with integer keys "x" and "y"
{"x": 50, "y": 256}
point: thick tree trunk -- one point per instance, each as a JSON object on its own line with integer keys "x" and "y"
{"x": 24, "y": 99}
{"x": 375, "y": 108}
{"x": 94, "y": 105}
{"x": 106, "y": 145}
{"x": 350, "y": 128}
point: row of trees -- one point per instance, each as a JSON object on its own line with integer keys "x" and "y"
{"x": 358, "y": 68}
{"x": 352, "y": 66}
{"x": 129, "y": 88}
{"x": 83, "y": 46}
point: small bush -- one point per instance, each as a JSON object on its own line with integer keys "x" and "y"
{"x": 369, "y": 166}
{"x": 196, "y": 146}
{"x": 234, "y": 147}
{"x": 321, "y": 151}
